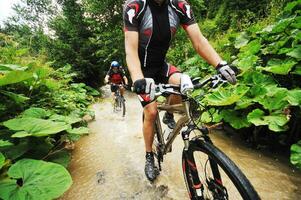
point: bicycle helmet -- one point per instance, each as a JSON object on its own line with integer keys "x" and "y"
{"x": 115, "y": 64}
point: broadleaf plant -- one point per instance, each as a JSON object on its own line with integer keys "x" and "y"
{"x": 35, "y": 179}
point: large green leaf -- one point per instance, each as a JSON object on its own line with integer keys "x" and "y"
{"x": 35, "y": 180}
{"x": 278, "y": 66}
{"x": 276, "y": 122}
{"x": 294, "y": 97}
{"x": 295, "y": 53}
{"x": 246, "y": 62}
{"x": 67, "y": 119}
{"x": 241, "y": 40}
{"x": 5, "y": 68}
{"x": 211, "y": 115}
{"x": 5, "y": 143}
{"x": 243, "y": 103}
{"x": 14, "y": 152}
{"x": 36, "y": 113}
{"x": 257, "y": 78}
{"x": 250, "y": 49}
{"x": 281, "y": 25}
{"x": 258, "y": 90}
{"x": 236, "y": 119}
{"x": 15, "y": 77}
{"x": 275, "y": 98}
{"x": 2, "y": 160}
{"x": 28, "y": 126}
{"x": 18, "y": 98}
{"x": 296, "y": 154}
{"x": 226, "y": 96}
{"x": 256, "y": 117}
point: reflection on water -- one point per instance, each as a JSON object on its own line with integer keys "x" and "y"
{"x": 109, "y": 163}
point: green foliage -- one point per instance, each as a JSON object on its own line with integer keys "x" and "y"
{"x": 276, "y": 122}
{"x": 237, "y": 119}
{"x": 34, "y": 127}
{"x": 41, "y": 110}
{"x": 224, "y": 97}
{"x": 36, "y": 113}
{"x": 296, "y": 154}
{"x": 31, "y": 178}
{"x": 267, "y": 53}
{"x": 2, "y": 160}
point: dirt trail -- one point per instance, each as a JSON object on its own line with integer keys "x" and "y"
{"x": 109, "y": 163}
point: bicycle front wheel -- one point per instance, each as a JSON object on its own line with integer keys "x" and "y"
{"x": 123, "y": 106}
{"x": 210, "y": 174}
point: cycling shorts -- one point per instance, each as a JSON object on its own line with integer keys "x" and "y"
{"x": 161, "y": 75}
{"x": 114, "y": 87}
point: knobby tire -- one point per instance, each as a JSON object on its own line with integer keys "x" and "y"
{"x": 216, "y": 158}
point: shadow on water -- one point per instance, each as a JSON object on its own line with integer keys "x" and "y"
{"x": 109, "y": 163}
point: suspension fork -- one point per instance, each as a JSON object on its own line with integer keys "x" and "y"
{"x": 213, "y": 164}
{"x": 189, "y": 162}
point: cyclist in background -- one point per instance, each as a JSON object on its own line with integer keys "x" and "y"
{"x": 117, "y": 77}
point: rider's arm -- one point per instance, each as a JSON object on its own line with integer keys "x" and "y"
{"x": 200, "y": 43}
{"x": 131, "y": 24}
{"x": 125, "y": 80}
{"x": 202, "y": 46}
{"x": 107, "y": 79}
{"x": 132, "y": 58}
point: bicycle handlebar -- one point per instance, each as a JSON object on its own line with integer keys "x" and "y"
{"x": 216, "y": 80}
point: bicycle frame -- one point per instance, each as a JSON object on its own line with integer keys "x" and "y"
{"x": 182, "y": 109}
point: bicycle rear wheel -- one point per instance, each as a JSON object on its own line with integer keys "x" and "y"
{"x": 210, "y": 174}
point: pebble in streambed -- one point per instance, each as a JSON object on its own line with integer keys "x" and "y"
{"x": 100, "y": 177}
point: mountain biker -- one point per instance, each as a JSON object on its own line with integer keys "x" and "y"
{"x": 116, "y": 76}
{"x": 149, "y": 26}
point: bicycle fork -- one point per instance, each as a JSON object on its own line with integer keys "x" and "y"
{"x": 189, "y": 162}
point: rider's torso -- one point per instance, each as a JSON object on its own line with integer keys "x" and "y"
{"x": 156, "y": 23}
{"x": 116, "y": 78}
{"x": 156, "y": 26}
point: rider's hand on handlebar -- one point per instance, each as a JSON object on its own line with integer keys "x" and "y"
{"x": 226, "y": 71}
{"x": 145, "y": 86}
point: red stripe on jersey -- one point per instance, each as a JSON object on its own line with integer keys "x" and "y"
{"x": 136, "y": 6}
{"x": 181, "y": 5}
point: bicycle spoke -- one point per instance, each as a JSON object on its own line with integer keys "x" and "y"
{"x": 214, "y": 188}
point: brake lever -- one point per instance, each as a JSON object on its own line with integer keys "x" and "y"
{"x": 161, "y": 89}
{"x": 217, "y": 79}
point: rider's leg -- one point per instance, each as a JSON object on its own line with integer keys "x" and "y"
{"x": 150, "y": 114}
{"x": 172, "y": 99}
{"x": 176, "y": 80}
{"x": 113, "y": 95}
{"x": 121, "y": 90}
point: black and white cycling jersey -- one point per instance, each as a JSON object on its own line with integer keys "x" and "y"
{"x": 156, "y": 26}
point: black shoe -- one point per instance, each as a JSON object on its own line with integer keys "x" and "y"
{"x": 168, "y": 119}
{"x": 150, "y": 169}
